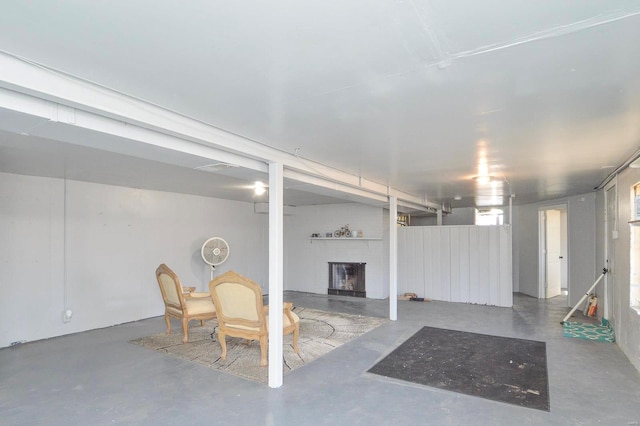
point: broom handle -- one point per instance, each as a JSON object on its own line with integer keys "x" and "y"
{"x": 604, "y": 271}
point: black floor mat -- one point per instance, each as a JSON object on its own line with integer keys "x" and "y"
{"x": 497, "y": 368}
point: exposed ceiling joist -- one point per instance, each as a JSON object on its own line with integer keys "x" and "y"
{"x": 39, "y": 91}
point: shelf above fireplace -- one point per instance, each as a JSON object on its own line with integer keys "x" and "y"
{"x": 346, "y": 238}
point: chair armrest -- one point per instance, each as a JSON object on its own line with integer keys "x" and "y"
{"x": 191, "y": 293}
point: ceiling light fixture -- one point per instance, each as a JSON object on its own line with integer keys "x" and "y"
{"x": 259, "y": 188}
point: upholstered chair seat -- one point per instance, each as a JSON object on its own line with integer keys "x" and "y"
{"x": 240, "y": 312}
{"x": 183, "y": 303}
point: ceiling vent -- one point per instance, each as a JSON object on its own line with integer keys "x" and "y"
{"x": 216, "y": 167}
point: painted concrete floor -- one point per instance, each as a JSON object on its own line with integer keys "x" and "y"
{"x": 98, "y": 378}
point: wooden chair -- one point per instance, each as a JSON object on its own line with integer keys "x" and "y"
{"x": 183, "y": 303}
{"x": 241, "y": 313}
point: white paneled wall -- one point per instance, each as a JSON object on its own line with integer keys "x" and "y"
{"x": 94, "y": 248}
{"x": 469, "y": 264}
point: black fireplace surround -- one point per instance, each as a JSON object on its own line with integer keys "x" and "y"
{"x": 347, "y": 279}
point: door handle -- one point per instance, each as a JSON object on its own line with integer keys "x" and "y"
{"x": 560, "y": 257}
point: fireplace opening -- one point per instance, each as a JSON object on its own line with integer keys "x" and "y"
{"x": 347, "y": 279}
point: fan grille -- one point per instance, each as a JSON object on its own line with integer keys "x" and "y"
{"x": 215, "y": 251}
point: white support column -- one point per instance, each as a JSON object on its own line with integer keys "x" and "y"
{"x": 276, "y": 274}
{"x": 439, "y": 218}
{"x": 393, "y": 258}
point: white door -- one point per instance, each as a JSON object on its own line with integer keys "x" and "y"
{"x": 554, "y": 255}
{"x": 564, "y": 249}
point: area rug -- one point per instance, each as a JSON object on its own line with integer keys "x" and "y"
{"x": 588, "y": 331}
{"x": 320, "y": 333}
{"x": 502, "y": 369}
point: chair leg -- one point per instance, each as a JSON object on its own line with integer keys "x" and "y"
{"x": 263, "y": 350}
{"x": 168, "y": 320}
{"x": 185, "y": 330}
{"x": 296, "y": 333}
{"x": 201, "y": 323}
{"x": 223, "y": 344}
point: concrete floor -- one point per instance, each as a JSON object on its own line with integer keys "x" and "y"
{"x": 98, "y": 378}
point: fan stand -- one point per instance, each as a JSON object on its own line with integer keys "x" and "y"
{"x": 213, "y": 268}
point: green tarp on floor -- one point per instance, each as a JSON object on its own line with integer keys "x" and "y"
{"x": 595, "y": 332}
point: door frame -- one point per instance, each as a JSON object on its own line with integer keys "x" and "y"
{"x": 609, "y": 279}
{"x": 542, "y": 248}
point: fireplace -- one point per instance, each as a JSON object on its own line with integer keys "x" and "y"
{"x": 347, "y": 279}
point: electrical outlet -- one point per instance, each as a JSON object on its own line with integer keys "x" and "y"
{"x": 66, "y": 315}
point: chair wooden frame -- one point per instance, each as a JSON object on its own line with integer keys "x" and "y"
{"x": 242, "y": 314}
{"x": 183, "y": 303}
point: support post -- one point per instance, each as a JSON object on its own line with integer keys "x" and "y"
{"x": 276, "y": 267}
{"x": 393, "y": 258}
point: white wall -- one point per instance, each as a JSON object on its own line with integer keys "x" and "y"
{"x": 525, "y": 239}
{"x": 467, "y": 216}
{"x": 94, "y": 248}
{"x": 627, "y": 320}
{"x": 306, "y": 263}
{"x": 515, "y": 251}
{"x": 458, "y": 216}
{"x": 583, "y": 268}
{"x": 469, "y": 264}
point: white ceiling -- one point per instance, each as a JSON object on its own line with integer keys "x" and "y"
{"x": 419, "y": 95}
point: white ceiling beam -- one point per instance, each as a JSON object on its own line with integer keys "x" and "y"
{"x": 324, "y": 183}
{"x": 86, "y": 103}
{"x": 56, "y": 113}
{"x": 419, "y": 207}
